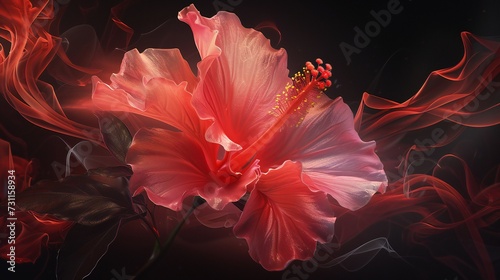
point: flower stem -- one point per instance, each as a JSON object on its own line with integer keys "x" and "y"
{"x": 149, "y": 268}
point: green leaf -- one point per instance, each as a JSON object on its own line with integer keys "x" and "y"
{"x": 115, "y": 134}
{"x": 114, "y": 171}
{"x": 84, "y": 199}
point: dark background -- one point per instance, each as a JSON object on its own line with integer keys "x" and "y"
{"x": 424, "y": 37}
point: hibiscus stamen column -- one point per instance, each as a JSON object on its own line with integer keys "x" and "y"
{"x": 292, "y": 105}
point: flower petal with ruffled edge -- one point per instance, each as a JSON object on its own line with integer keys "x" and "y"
{"x": 154, "y": 84}
{"x": 171, "y": 166}
{"x": 283, "y": 219}
{"x": 240, "y": 75}
{"x": 226, "y": 217}
{"x": 152, "y": 63}
{"x": 334, "y": 159}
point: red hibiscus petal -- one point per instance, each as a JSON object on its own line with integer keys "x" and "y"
{"x": 146, "y": 86}
{"x": 152, "y": 63}
{"x": 226, "y": 217}
{"x": 334, "y": 158}
{"x": 283, "y": 219}
{"x": 240, "y": 75}
{"x": 171, "y": 166}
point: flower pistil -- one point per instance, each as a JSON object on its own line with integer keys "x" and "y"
{"x": 292, "y": 105}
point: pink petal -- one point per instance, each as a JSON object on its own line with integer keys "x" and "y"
{"x": 171, "y": 166}
{"x": 283, "y": 219}
{"x": 211, "y": 218}
{"x": 152, "y": 63}
{"x": 145, "y": 86}
{"x": 240, "y": 75}
{"x": 334, "y": 158}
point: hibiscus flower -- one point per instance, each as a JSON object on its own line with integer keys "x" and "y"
{"x": 244, "y": 132}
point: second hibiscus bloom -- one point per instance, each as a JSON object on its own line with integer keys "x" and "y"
{"x": 244, "y": 131}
